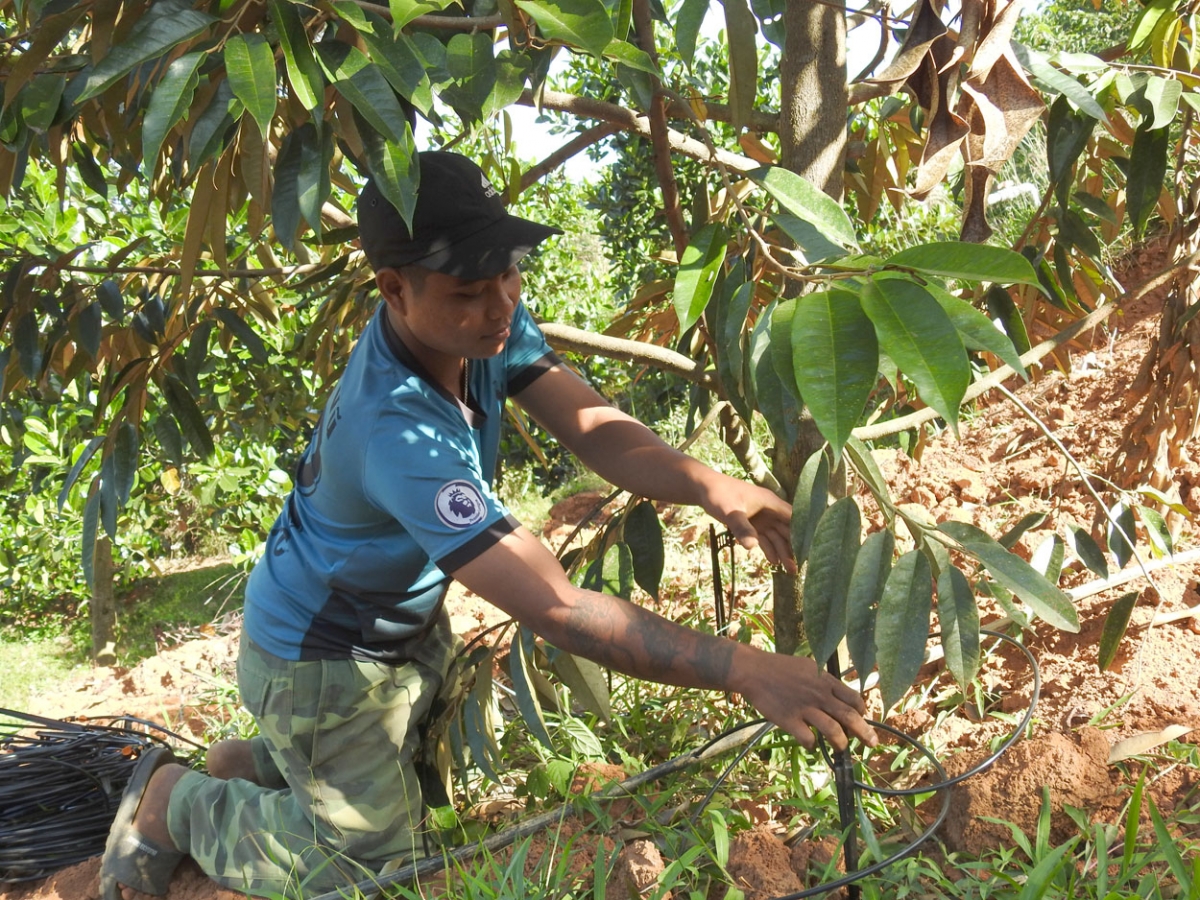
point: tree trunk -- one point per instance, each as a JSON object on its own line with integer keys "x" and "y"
{"x": 104, "y": 607}
{"x": 812, "y": 137}
{"x": 815, "y": 97}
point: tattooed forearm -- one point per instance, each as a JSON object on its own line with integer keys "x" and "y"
{"x": 625, "y": 637}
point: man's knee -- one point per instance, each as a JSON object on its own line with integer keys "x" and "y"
{"x": 232, "y": 758}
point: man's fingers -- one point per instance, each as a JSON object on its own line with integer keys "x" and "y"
{"x": 828, "y": 726}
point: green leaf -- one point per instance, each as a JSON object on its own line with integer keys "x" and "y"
{"x": 73, "y": 475}
{"x": 780, "y": 349}
{"x": 643, "y": 534}
{"x": 471, "y": 61}
{"x": 1147, "y": 169}
{"x": 1089, "y": 551}
{"x": 727, "y": 320}
{"x": 1009, "y": 539}
{"x": 582, "y": 23}
{"x": 165, "y": 24}
{"x": 1003, "y": 310}
{"x": 1115, "y": 624}
{"x": 88, "y": 329}
{"x": 125, "y": 460}
{"x": 1162, "y": 94}
{"x": 394, "y": 168}
{"x": 404, "y": 11}
{"x": 40, "y": 100}
{"x": 806, "y": 201}
{"x": 403, "y": 67}
{"x": 91, "y": 524}
{"x": 213, "y": 125}
{"x": 512, "y": 71}
{"x": 1041, "y": 877}
{"x": 171, "y": 100}
{"x": 1122, "y": 533}
{"x": 239, "y": 327}
{"x": 1016, "y": 575}
{"x": 976, "y": 330}
{"x": 827, "y": 579}
{"x": 688, "y": 20}
{"x": 698, "y": 273}
{"x": 584, "y": 679}
{"x": 902, "y": 626}
{"x": 362, "y": 83}
{"x": 188, "y": 415}
{"x": 959, "y": 618}
{"x": 108, "y": 293}
{"x": 26, "y": 339}
{"x": 519, "y": 664}
{"x": 741, "y": 31}
{"x": 478, "y": 719}
{"x": 1167, "y": 846}
{"x": 1059, "y": 82}
{"x": 304, "y": 74}
{"x": 250, "y": 67}
{"x": 169, "y": 438}
{"x": 108, "y": 497}
{"x": 285, "y": 197}
{"x": 1147, "y": 23}
{"x": 809, "y": 503}
{"x": 869, "y": 575}
{"x": 1156, "y": 530}
{"x": 862, "y": 460}
{"x": 89, "y": 170}
{"x": 312, "y": 179}
{"x": 836, "y": 358}
{"x": 613, "y": 573}
{"x": 628, "y": 55}
{"x": 1048, "y": 557}
{"x": 917, "y": 334}
{"x": 969, "y": 262}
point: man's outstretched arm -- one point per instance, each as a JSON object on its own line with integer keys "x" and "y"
{"x": 520, "y": 576}
{"x": 626, "y": 453}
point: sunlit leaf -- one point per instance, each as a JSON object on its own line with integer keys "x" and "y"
{"x": 582, "y": 23}
{"x": 1157, "y": 530}
{"x": 585, "y": 679}
{"x": 836, "y": 360}
{"x": 803, "y": 199}
{"x": 1009, "y": 539}
{"x": 164, "y": 24}
{"x": 250, "y": 67}
{"x": 304, "y": 74}
{"x": 969, "y": 262}
{"x": 1016, "y": 575}
{"x": 77, "y": 467}
{"x": 902, "y": 626}
{"x": 698, "y": 274}
{"x": 919, "y": 337}
{"x": 171, "y": 100}
{"x": 1122, "y": 533}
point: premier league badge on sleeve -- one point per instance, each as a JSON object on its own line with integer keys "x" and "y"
{"x": 459, "y": 504}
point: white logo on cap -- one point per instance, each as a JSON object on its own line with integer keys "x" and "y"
{"x": 459, "y": 504}
{"x": 488, "y": 190}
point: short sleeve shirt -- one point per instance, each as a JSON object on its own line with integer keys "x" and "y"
{"x": 394, "y": 491}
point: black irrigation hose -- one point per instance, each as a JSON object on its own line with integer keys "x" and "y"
{"x": 60, "y": 783}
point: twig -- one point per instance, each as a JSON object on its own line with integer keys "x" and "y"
{"x": 565, "y": 337}
{"x": 576, "y": 145}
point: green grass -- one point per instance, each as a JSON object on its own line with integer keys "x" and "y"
{"x": 169, "y": 607}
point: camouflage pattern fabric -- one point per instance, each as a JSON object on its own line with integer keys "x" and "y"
{"x": 339, "y": 796}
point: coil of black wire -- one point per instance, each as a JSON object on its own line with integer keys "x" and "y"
{"x": 60, "y": 784}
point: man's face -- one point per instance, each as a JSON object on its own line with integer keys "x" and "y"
{"x": 459, "y": 318}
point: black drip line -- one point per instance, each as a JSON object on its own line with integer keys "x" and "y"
{"x": 60, "y": 784}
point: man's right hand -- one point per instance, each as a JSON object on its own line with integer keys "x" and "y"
{"x": 795, "y": 694}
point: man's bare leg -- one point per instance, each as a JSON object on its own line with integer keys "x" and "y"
{"x": 231, "y": 758}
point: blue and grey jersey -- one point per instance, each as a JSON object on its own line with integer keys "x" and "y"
{"x": 393, "y": 492}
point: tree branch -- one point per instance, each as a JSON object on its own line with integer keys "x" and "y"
{"x": 565, "y": 337}
{"x": 576, "y": 145}
{"x": 587, "y": 108}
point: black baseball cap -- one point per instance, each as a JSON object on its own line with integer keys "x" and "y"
{"x": 460, "y": 225}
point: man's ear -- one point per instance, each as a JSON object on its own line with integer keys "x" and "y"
{"x": 394, "y": 287}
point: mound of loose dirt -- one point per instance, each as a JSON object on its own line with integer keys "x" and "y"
{"x": 1001, "y": 469}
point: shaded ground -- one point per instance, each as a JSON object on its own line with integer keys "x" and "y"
{"x": 1002, "y": 469}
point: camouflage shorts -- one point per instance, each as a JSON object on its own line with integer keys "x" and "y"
{"x": 338, "y": 795}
